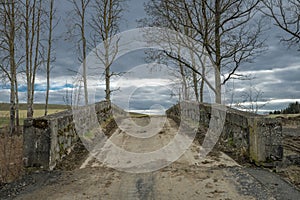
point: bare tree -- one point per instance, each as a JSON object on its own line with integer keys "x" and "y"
{"x": 225, "y": 29}
{"x": 78, "y": 29}
{"x": 68, "y": 98}
{"x": 191, "y": 78}
{"x": 49, "y": 51}
{"x": 286, "y": 14}
{"x": 180, "y": 76}
{"x": 251, "y": 98}
{"x": 32, "y": 27}
{"x": 105, "y": 24}
{"x": 185, "y": 93}
{"x": 9, "y": 30}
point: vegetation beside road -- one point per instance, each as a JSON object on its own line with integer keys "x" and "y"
{"x": 38, "y": 112}
{"x": 11, "y": 147}
{"x": 137, "y": 115}
{"x": 6, "y": 106}
{"x": 284, "y": 116}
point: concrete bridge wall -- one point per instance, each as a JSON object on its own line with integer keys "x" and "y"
{"x": 244, "y": 135}
{"x": 48, "y": 139}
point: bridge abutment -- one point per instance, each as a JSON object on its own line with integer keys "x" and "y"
{"x": 48, "y": 139}
{"x": 244, "y": 135}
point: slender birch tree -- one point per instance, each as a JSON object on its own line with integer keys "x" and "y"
{"x": 9, "y": 29}
{"x": 78, "y": 30}
{"x": 33, "y": 58}
{"x": 105, "y": 24}
{"x": 49, "y": 50}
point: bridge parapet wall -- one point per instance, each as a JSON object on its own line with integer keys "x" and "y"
{"x": 244, "y": 135}
{"x": 48, "y": 139}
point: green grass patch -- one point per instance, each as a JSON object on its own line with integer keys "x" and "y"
{"x": 4, "y": 121}
{"x": 284, "y": 116}
{"x": 137, "y": 115}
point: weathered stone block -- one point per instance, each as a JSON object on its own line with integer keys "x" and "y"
{"x": 48, "y": 139}
{"x": 259, "y": 136}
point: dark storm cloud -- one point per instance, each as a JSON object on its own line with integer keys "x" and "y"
{"x": 127, "y": 62}
{"x": 292, "y": 75}
{"x": 279, "y": 82}
{"x": 67, "y": 64}
{"x": 278, "y": 87}
{"x": 277, "y": 55}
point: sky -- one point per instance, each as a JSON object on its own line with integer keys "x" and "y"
{"x": 146, "y": 88}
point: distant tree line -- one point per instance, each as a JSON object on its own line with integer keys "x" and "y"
{"x": 293, "y": 108}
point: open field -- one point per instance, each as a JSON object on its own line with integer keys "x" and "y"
{"x": 38, "y": 112}
{"x": 137, "y": 115}
{"x": 5, "y": 106}
{"x": 284, "y": 116}
{"x": 11, "y": 147}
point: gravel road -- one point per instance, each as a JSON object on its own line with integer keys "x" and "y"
{"x": 216, "y": 176}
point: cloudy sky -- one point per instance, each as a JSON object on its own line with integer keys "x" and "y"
{"x": 276, "y": 72}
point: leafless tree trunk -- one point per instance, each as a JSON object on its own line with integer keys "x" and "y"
{"x": 185, "y": 92}
{"x": 8, "y": 31}
{"x": 68, "y": 98}
{"x": 79, "y": 25}
{"x": 189, "y": 80}
{"x": 105, "y": 24}
{"x": 225, "y": 29}
{"x": 194, "y": 74}
{"x": 84, "y": 49}
{"x": 218, "y": 58}
{"x": 17, "y": 105}
{"x": 286, "y": 14}
{"x": 49, "y": 51}
{"x": 13, "y": 73}
{"x": 250, "y": 100}
{"x": 183, "y": 75}
{"x": 32, "y": 23}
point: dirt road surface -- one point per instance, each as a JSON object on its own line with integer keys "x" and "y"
{"x": 216, "y": 176}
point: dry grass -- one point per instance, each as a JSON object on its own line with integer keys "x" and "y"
{"x": 4, "y": 115}
{"x": 11, "y": 147}
{"x": 284, "y": 115}
{"x": 11, "y": 153}
{"x": 137, "y": 115}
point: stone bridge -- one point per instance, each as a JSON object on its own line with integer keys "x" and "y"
{"x": 47, "y": 140}
{"x": 107, "y": 173}
{"x": 242, "y": 135}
